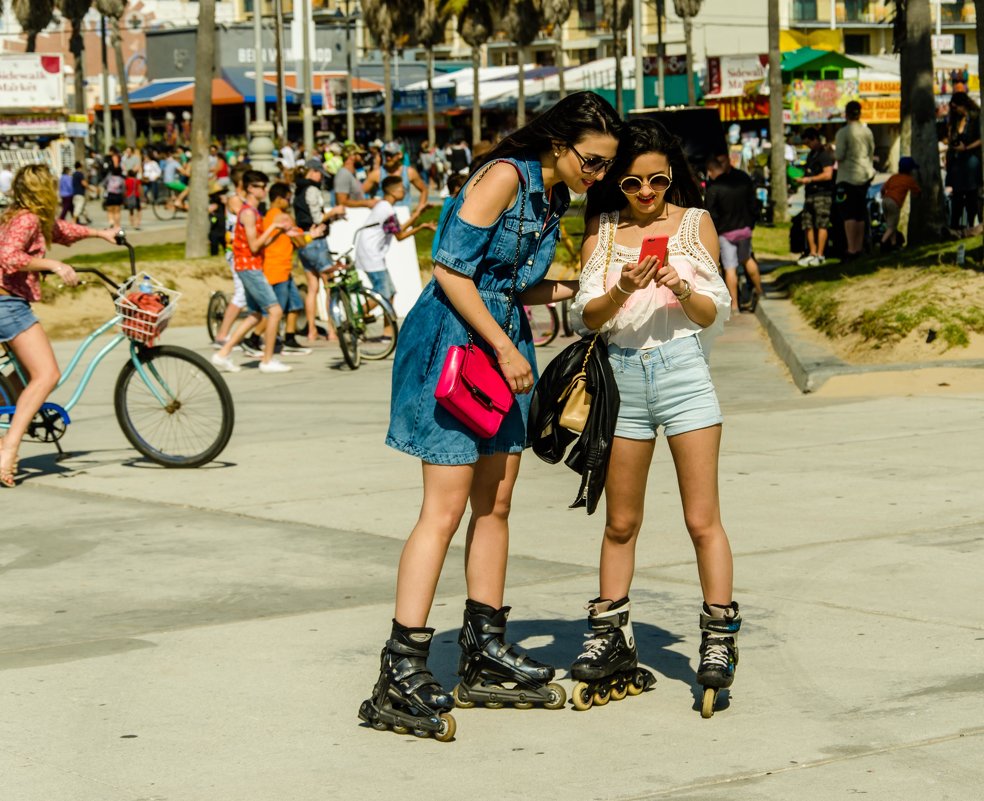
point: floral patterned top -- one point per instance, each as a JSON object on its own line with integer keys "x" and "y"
{"x": 21, "y": 240}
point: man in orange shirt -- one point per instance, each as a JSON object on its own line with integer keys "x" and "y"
{"x": 894, "y": 193}
{"x": 278, "y": 261}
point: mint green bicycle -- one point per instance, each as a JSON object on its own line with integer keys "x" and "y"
{"x": 172, "y": 405}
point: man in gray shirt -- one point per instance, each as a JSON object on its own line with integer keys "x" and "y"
{"x": 854, "y": 151}
{"x": 348, "y": 188}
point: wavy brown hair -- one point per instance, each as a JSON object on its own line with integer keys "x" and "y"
{"x": 34, "y": 189}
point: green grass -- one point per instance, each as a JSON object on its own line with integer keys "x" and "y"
{"x": 170, "y": 252}
{"x": 772, "y": 240}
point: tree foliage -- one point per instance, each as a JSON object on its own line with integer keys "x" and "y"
{"x": 34, "y": 16}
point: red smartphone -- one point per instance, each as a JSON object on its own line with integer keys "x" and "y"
{"x": 654, "y": 246}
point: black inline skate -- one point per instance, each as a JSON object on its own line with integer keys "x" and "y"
{"x": 488, "y": 664}
{"x": 719, "y": 626}
{"x": 407, "y": 698}
{"x": 609, "y": 667}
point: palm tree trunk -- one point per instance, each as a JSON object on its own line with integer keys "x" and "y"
{"x": 129, "y": 124}
{"x": 617, "y": 42}
{"x": 196, "y": 243}
{"x": 476, "y": 97}
{"x": 78, "y": 52}
{"x": 919, "y": 107}
{"x": 521, "y": 99}
{"x": 777, "y": 134}
{"x": 979, "y": 8}
{"x": 688, "y": 35}
{"x": 387, "y": 96}
{"x": 431, "y": 117}
{"x": 32, "y": 41}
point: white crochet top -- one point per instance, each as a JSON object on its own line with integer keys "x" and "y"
{"x": 652, "y": 316}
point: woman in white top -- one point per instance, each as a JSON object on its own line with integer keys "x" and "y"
{"x": 657, "y": 320}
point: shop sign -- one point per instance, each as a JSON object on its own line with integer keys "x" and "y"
{"x": 818, "y": 101}
{"x": 77, "y": 126}
{"x": 736, "y": 109}
{"x": 880, "y": 87}
{"x": 881, "y": 109}
{"x": 31, "y": 80}
{"x": 31, "y": 126}
{"x": 734, "y": 76}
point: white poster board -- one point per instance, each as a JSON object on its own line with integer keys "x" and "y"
{"x": 401, "y": 259}
{"x": 31, "y": 81}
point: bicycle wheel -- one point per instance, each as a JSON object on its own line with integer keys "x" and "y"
{"x": 544, "y": 323}
{"x": 192, "y": 425}
{"x": 217, "y": 305}
{"x": 340, "y": 309}
{"x": 377, "y": 339}
{"x": 164, "y": 208}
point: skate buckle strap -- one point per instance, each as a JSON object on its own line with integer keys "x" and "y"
{"x": 719, "y": 625}
{"x": 405, "y": 649}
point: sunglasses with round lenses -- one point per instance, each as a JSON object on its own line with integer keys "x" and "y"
{"x": 591, "y": 165}
{"x": 658, "y": 182}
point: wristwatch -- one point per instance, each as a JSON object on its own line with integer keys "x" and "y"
{"x": 687, "y": 291}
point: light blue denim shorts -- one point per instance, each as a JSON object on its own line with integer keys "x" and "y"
{"x": 15, "y": 317}
{"x": 259, "y": 295}
{"x": 382, "y": 283}
{"x": 668, "y": 386}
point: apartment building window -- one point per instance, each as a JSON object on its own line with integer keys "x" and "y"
{"x": 856, "y": 10}
{"x": 857, "y": 44}
{"x": 960, "y": 43}
{"x": 587, "y": 14}
{"x": 804, "y": 10}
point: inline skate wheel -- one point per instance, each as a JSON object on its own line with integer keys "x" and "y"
{"x": 707, "y": 705}
{"x": 398, "y": 729}
{"x": 602, "y": 697}
{"x": 558, "y": 697}
{"x": 447, "y": 730}
{"x": 378, "y": 725}
{"x": 461, "y": 698}
{"x": 523, "y": 705}
{"x": 635, "y": 689}
{"x": 582, "y": 697}
{"x": 619, "y": 691}
{"x": 490, "y": 703}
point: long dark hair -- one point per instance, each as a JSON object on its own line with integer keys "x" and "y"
{"x": 638, "y": 137}
{"x": 564, "y": 123}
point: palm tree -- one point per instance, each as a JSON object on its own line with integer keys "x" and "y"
{"x": 475, "y": 24}
{"x": 196, "y": 241}
{"x": 618, "y": 13}
{"x": 687, "y": 10}
{"x": 114, "y": 10}
{"x": 555, "y": 14}
{"x": 34, "y": 16}
{"x": 521, "y": 24}
{"x": 390, "y": 24}
{"x": 430, "y": 33}
{"x": 979, "y": 9}
{"x": 912, "y": 30}
{"x": 777, "y": 133}
{"x": 75, "y": 11}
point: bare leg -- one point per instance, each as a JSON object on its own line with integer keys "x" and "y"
{"x": 731, "y": 281}
{"x": 311, "y": 304}
{"x": 754, "y": 275}
{"x": 625, "y": 495}
{"x": 487, "y": 545}
{"x": 240, "y": 333}
{"x": 822, "y": 234}
{"x": 33, "y": 350}
{"x": 274, "y": 315}
{"x": 811, "y": 241}
{"x": 854, "y": 232}
{"x": 695, "y": 455}
{"x": 231, "y": 315}
{"x": 446, "y": 490}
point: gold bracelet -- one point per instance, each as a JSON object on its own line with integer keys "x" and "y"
{"x": 687, "y": 292}
{"x": 505, "y": 362}
{"x": 618, "y": 286}
{"x": 611, "y": 297}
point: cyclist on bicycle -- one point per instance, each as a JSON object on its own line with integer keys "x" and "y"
{"x": 27, "y": 228}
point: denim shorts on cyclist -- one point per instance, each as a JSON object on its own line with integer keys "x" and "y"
{"x": 382, "y": 283}
{"x": 15, "y": 317}
{"x": 669, "y": 386}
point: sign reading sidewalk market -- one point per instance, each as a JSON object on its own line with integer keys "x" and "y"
{"x": 31, "y": 81}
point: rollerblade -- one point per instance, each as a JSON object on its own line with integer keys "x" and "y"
{"x": 719, "y": 626}
{"x": 487, "y": 664}
{"x": 609, "y": 667}
{"x": 407, "y": 697}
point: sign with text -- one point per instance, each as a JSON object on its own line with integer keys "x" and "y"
{"x": 736, "y": 76}
{"x": 31, "y": 81}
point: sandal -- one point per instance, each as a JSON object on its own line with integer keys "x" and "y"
{"x": 8, "y": 477}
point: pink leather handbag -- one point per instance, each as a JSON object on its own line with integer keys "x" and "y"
{"x": 472, "y": 389}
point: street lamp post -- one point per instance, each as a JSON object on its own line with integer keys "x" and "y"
{"x": 260, "y": 146}
{"x": 349, "y": 101}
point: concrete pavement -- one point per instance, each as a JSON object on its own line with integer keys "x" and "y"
{"x": 209, "y": 634}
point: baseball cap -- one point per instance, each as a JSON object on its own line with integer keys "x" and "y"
{"x": 393, "y": 148}
{"x": 350, "y": 148}
{"x": 376, "y": 143}
{"x": 315, "y": 164}
{"x": 335, "y": 148}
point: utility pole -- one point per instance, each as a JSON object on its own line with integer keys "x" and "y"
{"x": 260, "y": 146}
{"x": 307, "y": 109}
{"x": 349, "y": 100}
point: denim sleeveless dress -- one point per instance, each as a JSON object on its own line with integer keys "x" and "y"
{"x": 418, "y": 426}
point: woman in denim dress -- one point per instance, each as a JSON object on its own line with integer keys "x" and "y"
{"x": 523, "y": 185}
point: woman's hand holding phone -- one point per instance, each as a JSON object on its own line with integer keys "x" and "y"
{"x": 638, "y": 276}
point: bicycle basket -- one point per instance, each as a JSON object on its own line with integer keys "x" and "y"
{"x": 144, "y": 315}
